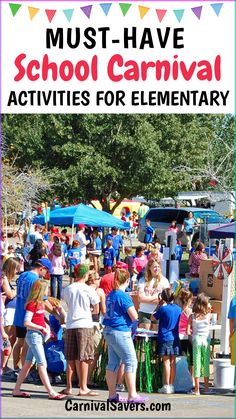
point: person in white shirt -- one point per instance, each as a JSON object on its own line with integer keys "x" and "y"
{"x": 80, "y": 236}
{"x": 79, "y": 341}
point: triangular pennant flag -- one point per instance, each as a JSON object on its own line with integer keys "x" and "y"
{"x": 197, "y": 11}
{"x": 32, "y": 12}
{"x": 143, "y": 11}
{"x": 160, "y": 14}
{"x": 50, "y": 14}
{"x": 179, "y": 14}
{"x": 68, "y": 14}
{"x": 124, "y": 7}
{"x": 14, "y": 8}
{"x": 106, "y": 7}
{"x": 87, "y": 10}
{"x": 217, "y": 7}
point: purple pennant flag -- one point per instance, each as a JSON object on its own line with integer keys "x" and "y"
{"x": 197, "y": 11}
{"x": 87, "y": 10}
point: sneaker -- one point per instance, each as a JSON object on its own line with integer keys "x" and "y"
{"x": 166, "y": 389}
{"x": 120, "y": 388}
{"x": 172, "y": 389}
{"x": 58, "y": 379}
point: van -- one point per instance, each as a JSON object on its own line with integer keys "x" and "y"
{"x": 161, "y": 219}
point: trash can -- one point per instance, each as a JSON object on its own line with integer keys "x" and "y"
{"x": 223, "y": 373}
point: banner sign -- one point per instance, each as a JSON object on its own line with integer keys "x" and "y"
{"x": 117, "y": 57}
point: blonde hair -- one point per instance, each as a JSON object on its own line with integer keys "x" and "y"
{"x": 200, "y": 306}
{"x": 184, "y": 297}
{"x": 37, "y": 292}
{"x": 121, "y": 276}
{"x": 148, "y": 275}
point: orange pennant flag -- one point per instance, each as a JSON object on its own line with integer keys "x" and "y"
{"x": 32, "y": 12}
{"x": 160, "y": 14}
{"x": 50, "y": 14}
{"x": 143, "y": 11}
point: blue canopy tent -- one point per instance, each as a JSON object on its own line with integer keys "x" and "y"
{"x": 78, "y": 214}
{"x": 226, "y": 231}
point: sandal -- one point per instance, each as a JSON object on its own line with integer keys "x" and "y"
{"x": 90, "y": 393}
{"x": 22, "y": 395}
{"x": 117, "y": 399}
{"x": 57, "y": 396}
{"x": 194, "y": 393}
{"x": 138, "y": 399}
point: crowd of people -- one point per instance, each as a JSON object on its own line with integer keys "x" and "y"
{"x": 97, "y": 304}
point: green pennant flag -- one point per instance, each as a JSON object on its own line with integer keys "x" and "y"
{"x": 14, "y": 8}
{"x": 124, "y": 7}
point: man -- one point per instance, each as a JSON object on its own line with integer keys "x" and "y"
{"x": 41, "y": 269}
{"x": 79, "y": 341}
{"x": 117, "y": 242}
{"x": 143, "y": 209}
{"x": 80, "y": 236}
{"x": 232, "y": 328}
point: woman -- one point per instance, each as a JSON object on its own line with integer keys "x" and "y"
{"x": 120, "y": 313}
{"x": 35, "y": 337}
{"x": 195, "y": 260}
{"x": 149, "y": 288}
{"x": 37, "y": 252}
{"x": 9, "y": 271}
{"x": 188, "y": 227}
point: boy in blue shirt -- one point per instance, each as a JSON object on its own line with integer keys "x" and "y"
{"x": 150, "y": 232}
{"x": 109, "y": 256}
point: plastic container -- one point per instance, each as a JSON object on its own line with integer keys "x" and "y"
{"x": 6, "y": 347}
{"x": 223, "y": 373}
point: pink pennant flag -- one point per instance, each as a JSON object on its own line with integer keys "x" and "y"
{"x": 160, "y": 14}
{"x": 197, "y": 11}
{"x": 50, "y": 14}
{"x": 87, "y": 10}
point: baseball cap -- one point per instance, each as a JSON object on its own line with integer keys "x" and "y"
{"x": 81, "y": 225}
{"x": 121, "y": 265}
{"x": 45, "y": 262}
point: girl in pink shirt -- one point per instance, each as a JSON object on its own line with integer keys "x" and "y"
{"x": 140, "y": 260}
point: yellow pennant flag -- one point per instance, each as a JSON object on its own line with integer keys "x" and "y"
{"x": 143, "y": 11}
{"x": 33, "y": 12}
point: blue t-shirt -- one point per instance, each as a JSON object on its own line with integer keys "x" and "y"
{"x": 64, "y": 248}
{"x": 76, "y": 256}
{"x": 116, "y": 240}
{"x": 232, "y": 309}
{"x": 109, "y": 256}
{"x": 98, "y": 243}
{"x": 188, "y": 224}
{"x": 168, "y": 316}
{"x": 25, "y": 282}
{"x": 148, "y": 234}
{"x": 117, "y": 304}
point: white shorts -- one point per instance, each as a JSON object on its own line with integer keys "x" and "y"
{"x": 8, "y": 316}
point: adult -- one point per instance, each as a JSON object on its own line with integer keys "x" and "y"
{"x": 96, "y": 250}
{"x": 40, "y": 269}
{"x": 150, "y": 287}
{"x": 195, "y": 260}
{"x": 37, "y": 252}
{"x": 107, "y": 281}
{"x": 35, "y": 235}
{"x": 80, "y": 236}
{"x": 9, "y": 271}
{"x": 188, "y": 227}
{"x": 79, "y": 343}
{"x": 232, "y": 328}
{"x": 117, "y": 242}
{"x": 120, "y": 313}
{"x": 143, "y": 209}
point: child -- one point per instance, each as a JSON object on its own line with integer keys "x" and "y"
{"x": 74, "y": 258}
{"x": 150, "y": 232}
{"x": 185, "y": 299}
{"x": 10, "y": 253}
{"x": 35, "y": 336}
{"x": 198, "y": 327}
{"x": 173, "y": 227}
{"x": 168, "y": 338}
{"x": 96, "y": 250}
{"x": 129, "y": 260}
{"x": 109, "y": 256}
{"x": 58, "y": 265}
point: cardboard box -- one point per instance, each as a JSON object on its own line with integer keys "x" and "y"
{"x": 209, "y": 284}
{"x": 216, "y": 308}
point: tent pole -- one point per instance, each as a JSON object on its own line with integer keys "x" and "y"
{"x": 224, "y": 347}
{"x": 72, "y": 234}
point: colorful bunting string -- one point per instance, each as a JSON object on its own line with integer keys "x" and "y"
{"x": 124, "y": 7}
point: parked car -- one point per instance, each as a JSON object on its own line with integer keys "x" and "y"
{"x": 161, "y": 219}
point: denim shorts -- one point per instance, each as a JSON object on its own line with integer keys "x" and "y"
{"x": 169, "y": 348}
{"x": 35, "y": 353}
{"x": 120, "y": 350}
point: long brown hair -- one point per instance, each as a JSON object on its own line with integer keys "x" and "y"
{"x": 121, "y": 276}
{"x": 200, "y": 306}
{"x": 10, "y": 267}
{"x": 148, "y": 275}
{"x": 184, "y": 297}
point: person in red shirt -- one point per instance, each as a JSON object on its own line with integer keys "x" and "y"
{"x": 35, "y": 337}
{"x": 107, "y": 281}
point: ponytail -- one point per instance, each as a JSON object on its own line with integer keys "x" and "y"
{"x": 121, "y": 276}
